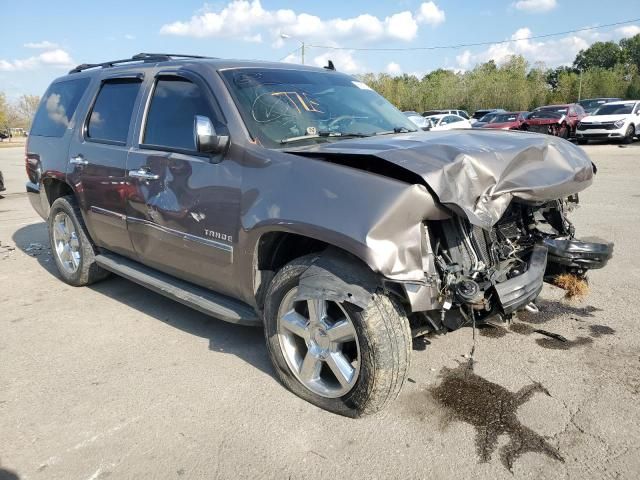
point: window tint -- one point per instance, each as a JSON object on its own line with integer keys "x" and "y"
{"x": 171, "y": 114}
{"x": 57, "y": 107}
{"x": 112, "y": 111}
{"x": 453, "y": 119}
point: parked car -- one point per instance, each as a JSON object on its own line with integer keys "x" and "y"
{"x": 4, "y": 135}
{"x": 590, "y": 105}
{"x": 479, "y": 114}
{"x": 447, "y": 122}
{"x": 558, "y": 120}
{"x": 2, "y": 187}
{"x": 507, "y": 121}
{"x": 615, "y": 120}
{"x": 298, "y": 199}
{"x": 485, "y": 119}
{"x": 461, "y": 113}
{"x": 417, "y": 119}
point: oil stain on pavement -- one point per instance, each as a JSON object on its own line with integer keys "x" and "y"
{"x": 492, "y": 410}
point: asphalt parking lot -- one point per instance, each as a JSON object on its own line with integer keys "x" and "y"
{"x": 113, "y": 380}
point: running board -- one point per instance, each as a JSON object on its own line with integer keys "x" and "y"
{"x": 198, "y": 298}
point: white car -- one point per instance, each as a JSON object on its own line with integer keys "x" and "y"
{"x": 417, "y": 119}
{"x": 447, "y": 122}
{"x": 615, "y": 120}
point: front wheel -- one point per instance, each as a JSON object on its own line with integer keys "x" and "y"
{"x": 628, "y": 136}
{"x": 582, "y": 141}
{"x": 335, "y": 355}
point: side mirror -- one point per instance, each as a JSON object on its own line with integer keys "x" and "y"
{"x": 207, "y": 140}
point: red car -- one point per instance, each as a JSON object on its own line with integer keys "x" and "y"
{"x": 507, "y": 121}
{"x": 558, "y": 120}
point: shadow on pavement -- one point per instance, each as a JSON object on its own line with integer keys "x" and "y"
{"x": 246, "y": 343}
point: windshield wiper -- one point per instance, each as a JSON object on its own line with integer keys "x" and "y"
{"x": 323, "y": 135}
{"x": 397, "y": 130}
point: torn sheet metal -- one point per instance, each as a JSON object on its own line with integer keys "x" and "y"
{"x": 477, "y": 172}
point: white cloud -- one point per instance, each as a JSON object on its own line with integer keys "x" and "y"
{"x": 464, "y": 59}
{"x": 128, "y": 36}
{"x": 394, "y": 69}
{"x": 245, "y": 19}
{"x": 628, "y": 30}
{"x": 343, "y": 61}
{"x": 430, "y": 13}
{"x": 53, "y": 58}
{"x": 45, "y": 44}
{"x": 535, "y": 6}
{"x": 552, "y": 52}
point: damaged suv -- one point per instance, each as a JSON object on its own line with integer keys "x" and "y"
{"x": 299, "y": 199}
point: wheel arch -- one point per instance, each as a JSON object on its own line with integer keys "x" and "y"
{"x": 276, "y": 248}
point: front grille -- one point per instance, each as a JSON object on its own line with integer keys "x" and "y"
{"x": 600, "y": 126}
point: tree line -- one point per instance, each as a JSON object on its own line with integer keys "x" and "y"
{"x": 19, "y": 113}
{"x": 605, "y": 69}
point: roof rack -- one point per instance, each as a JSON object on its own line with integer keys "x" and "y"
{"x": 140, "y": 57}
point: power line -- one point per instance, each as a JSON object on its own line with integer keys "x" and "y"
{"x": 478, "y": 44}
{"x": 290, "y": 53}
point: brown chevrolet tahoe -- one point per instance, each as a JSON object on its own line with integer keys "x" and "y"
{"x": 298, "y": 199}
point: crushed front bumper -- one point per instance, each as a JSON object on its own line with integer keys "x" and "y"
{"x": 517, "y": 292}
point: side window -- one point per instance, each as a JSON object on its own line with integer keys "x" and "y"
{"x": 170, "y": 119}
{"x": 454, "y": 119}
{"x": 111, "y": 113}
{"x": 57, "y": 107}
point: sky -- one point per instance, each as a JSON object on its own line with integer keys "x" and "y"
{"x": 42, "y": 40}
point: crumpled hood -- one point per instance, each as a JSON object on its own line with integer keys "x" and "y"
{"x": 478, "y": 172}
{"x": 501, "y": 125}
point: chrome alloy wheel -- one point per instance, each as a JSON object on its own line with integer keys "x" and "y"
{"x": 319, "y": 343}
{"x": 66, "y": 243}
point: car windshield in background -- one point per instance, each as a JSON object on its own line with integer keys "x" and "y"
{"x": 615, "y": 109}
{"x": 285, "y": 106}
{"x": 488, "y": 117}
{"x": 504, "y": 118}
{"x": 548, "y": 113}
{"x": 479, "y": 114}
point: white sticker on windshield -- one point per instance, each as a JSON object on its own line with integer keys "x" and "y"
{"x": 361, "y": 86}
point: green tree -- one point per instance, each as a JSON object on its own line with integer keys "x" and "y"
{"x": 600, "y": 54}
{"x": 631, "y": 50}
{"x": 4, "y": 111}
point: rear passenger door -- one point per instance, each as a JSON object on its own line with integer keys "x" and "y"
{"x": 98, "y": 158}
{"x": 184, "y": 207}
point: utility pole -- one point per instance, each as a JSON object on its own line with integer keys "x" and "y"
{"x": 302, "y": 45}
{"x": 580, "y": 86}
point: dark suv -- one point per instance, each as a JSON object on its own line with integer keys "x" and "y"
{"x": 299, "y": 199}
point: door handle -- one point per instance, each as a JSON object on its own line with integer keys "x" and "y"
{"x": 79, "y": 160}
{"x": 143, "y": 174}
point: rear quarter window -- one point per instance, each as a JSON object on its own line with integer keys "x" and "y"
{"x": 111, "y": 113}
{"x": 57, "y": 107}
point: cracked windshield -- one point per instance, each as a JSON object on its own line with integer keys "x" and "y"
{"x": 281, "y": 107}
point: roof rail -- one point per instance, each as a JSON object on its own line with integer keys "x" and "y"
{"x": 140, "y": 57}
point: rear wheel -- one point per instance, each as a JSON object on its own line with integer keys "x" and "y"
{"x": 582, "y": 141}
{"x": 70, "y": 245}
{"x": 335, "y": 355}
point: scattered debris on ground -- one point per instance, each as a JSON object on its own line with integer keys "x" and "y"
{"x": 555, "y": 336}
{"x": 575, "y": 287}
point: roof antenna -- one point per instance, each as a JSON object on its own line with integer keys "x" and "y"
{"x": 330, "y": 65}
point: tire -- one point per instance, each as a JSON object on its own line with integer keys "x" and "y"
{"x": 76, "y": 263}
{"x": 628, "y": 136}
{"x": 582, "y": 141}
{"x": 564, "y": 132}
{"x": 383, "y": 339}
